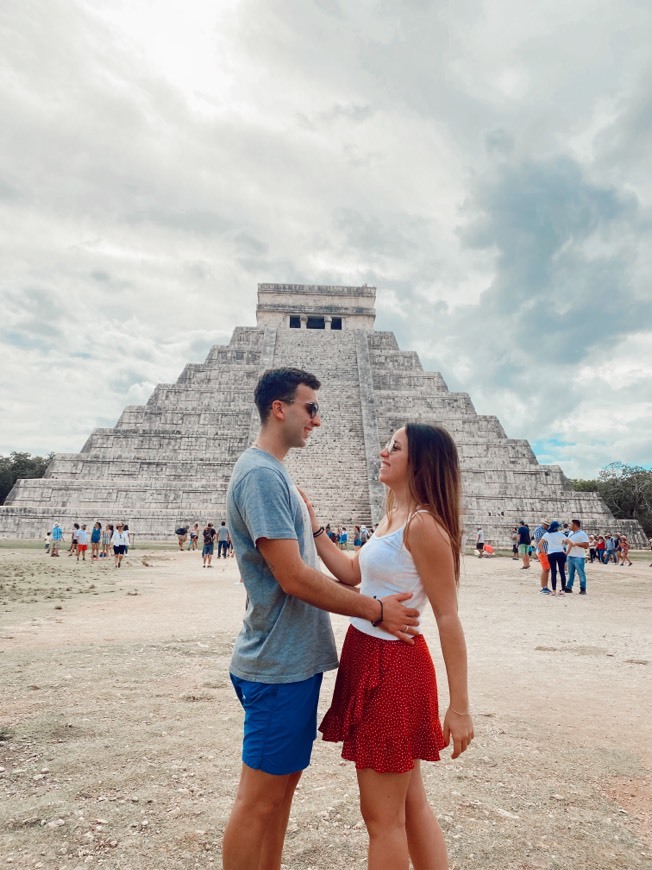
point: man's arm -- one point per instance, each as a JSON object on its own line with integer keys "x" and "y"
{"x": 300, "y": 580}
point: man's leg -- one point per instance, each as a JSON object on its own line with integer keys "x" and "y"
{"x": 545, "y": 570}
{"x": 571, "y": 572}
{"x": 581, "y": 570}
{"x": 255, "y": 832}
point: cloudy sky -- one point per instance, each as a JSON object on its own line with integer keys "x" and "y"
{"x": 485, "y": 164}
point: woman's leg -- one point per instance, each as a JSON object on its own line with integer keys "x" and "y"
{"x": 382, "y": 803}
{"x": 425, "y": 838}
{"x": 562, "y": 571}
{"x": 552, "y": 559}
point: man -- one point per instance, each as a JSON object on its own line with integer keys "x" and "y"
{"x": 222, "y": 540}
{"x": 82, "y": 542}
{"x": 57, "y": 538}
{"x": 539, "y": 532}
{"x": 610, "y": 549}
{"x": 209, "y": 545}
{"x": 479, "y": 542}
{"x": 524, "y": 542}
{"x": 286, "y": 642}
{"x": 182, "y": 535}
{"x": 575, "y": 557}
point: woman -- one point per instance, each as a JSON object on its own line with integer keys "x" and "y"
{"x": 194, "y": 537}
{"x": 624, "y": 551}
{"x": 554, "y": 541}
{"x": 120, "y": 541}
{"x": 107, "y": 534}
{"x": 384, "y": 707}
{"x": 592, "y": 543}
{"x": 600, "y": 546}
{"x": 96, "y": 537}
{"x": 357, "y": 540}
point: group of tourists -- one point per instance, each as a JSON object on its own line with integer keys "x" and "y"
{"x": 340, "y": 536}
{"x": 385, "y": 708}
{"x": 209, "y": 536}
{"x": 558, "y": 546}
{"x": 104, "y": 542}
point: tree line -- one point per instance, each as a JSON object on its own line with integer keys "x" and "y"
{"x": 18, "y": 465}
{"x": 626, "y": 490}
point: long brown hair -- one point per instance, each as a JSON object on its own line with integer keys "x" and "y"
{"x": 434, "y": 481}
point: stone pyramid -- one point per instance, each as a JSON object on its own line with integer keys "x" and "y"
{"x": 168, "y": 462}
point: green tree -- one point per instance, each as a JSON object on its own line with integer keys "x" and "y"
{"x": 626, "y": 490}
{"x": 20, "y": 465}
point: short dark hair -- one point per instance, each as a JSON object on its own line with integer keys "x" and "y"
{"x": 223, "y": 523}
{"x": 275, "y": 384}
{"x": 577, "y": 522}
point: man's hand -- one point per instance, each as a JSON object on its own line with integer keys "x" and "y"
{"x": 399, "y": 620}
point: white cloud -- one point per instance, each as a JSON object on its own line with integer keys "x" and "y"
{"x": 476, "y": 161}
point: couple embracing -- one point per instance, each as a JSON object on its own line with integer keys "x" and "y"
{"x": 384, "y": 709}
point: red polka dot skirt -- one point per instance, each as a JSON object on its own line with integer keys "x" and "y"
{"x": 384, "y": 706}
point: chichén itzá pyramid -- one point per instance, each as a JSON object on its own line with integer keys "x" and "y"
{"x": 168, "y": 462}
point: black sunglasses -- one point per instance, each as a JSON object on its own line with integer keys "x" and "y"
{"x": 313, "y": 407}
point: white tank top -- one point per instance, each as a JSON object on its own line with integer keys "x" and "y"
{"x": 387, "y": 567}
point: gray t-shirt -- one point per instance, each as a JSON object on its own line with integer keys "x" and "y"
{"x": 283, "y": 639}
{"x": 223, "y": 533}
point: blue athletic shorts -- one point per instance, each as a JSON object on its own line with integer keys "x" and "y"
{"x": 280, "y": 723}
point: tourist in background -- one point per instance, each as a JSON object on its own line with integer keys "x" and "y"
{"x": 120, "y": 541}
{"x": 96, "y": 537}
{"x": 194, "y": 537}
{"x": 600, "y": 547}
{"x": 182, "y": 535}
{"x": 57, "y": 538}
{"x": 554, "y": 542}
{"x": 222, "y": 540}
{"x": 72, "y": 550}
{"x": 515, "y": 544}
{"x": 385, "y": 706}
{"x": 524, "y": 542}
{"x": 542, "y": 555}
{"x": 47, "y": 540}
{"x": 479, "y": 542}
{"x": 610, "y": 549}
{"x": 357, "y": 541}
{"x": 209, "y": 546}
{"x": 344, "y": 537}
{"x": 592, "y": 550}
{"x": 576, "y": 556}
{"x": 82, "y": 542}
{"x": 107, "y": 534}
{"x": 624, "y": 551}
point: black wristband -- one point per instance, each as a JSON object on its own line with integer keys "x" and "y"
{"x": 320, "y": 531}
{"x": 382, "y": 614}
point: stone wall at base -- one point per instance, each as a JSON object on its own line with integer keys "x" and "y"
{"x": 168, "y": 462}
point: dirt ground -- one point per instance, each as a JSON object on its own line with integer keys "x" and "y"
{"x": 120, "y": 733}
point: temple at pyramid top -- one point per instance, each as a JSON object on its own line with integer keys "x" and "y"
{"x": 316, "y": 306}
{"x": 167, "y": 463}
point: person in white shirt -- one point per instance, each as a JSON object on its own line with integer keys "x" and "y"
{"x": 553, "y": 543}
{"x": 120, "y": 541}
{"x": 479, "y": 543}
{"x": 579, "y": 544}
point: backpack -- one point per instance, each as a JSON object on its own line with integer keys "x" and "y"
{"x": 364, "y": 534}
{"x": 181, "y": 531}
